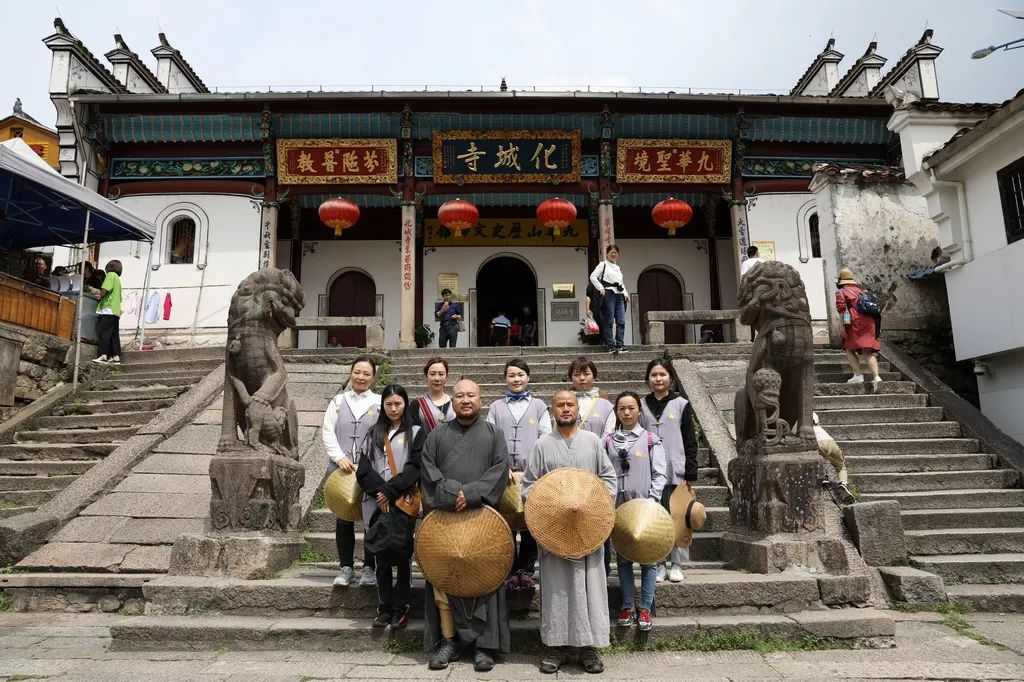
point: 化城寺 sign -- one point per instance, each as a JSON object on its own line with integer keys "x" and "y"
{"x": 696, "y": 161}
{"x": 360, "y": 161}
{"x": 507, "y": 156}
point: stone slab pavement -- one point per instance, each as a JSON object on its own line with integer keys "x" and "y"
{"x": 76, "y": 647}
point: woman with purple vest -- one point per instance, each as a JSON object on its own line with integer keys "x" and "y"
{"x": 523, "y": 419}
{"x": 596, "y": 413}
{"x": 347, "y": 420}
{"x": 639, "y": 461}
{"x": 670, "y": 417}
{"x": 435, "y": 408}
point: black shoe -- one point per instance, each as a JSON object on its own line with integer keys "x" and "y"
{"x": 447, "y": 652}
{"x": 590, "y": 661}
{"x": 400, "y": 621}
{"x": 382, "y": 620}
{"x": 483, "y": 661}
{"x": 553, "y": 660}
{"x": 622, "y": 349}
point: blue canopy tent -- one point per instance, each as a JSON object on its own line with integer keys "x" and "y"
{"x": 39, "y": 207}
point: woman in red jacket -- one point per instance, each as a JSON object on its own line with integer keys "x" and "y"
{"x": 858, "y": 329}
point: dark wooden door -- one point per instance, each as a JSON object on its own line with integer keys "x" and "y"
{"x": 505, "y": 285}
{"x": 352, "y": 294}
{"x": 660, "y": 290}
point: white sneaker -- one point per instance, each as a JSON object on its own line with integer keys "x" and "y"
{"x": 116, "y": 360}
{"x": 101, "y": 360}
{"x": 856, "y": 379}
{"x": 661, "y": 573}
{"x": 877, "y": 380}
{"x": 675, "y": 574}
{"x": 367, "y": 578}
{"x": 345, "y": 577}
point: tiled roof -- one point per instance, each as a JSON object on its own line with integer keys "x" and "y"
{"x": 83, "y": 53}
{"x": 864, "y": 172}
{"x": 829, "y": 47}
{"x": 182, "y": 63}
{"x": 924, "y": 44}
{"x": 851, "y": 75}
{"x": 140, "y": 66}
{"x": 984, "y": 108}
{"x": 996, "y": 113}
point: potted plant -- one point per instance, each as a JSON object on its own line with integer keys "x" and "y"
{"x": 424, "y": 335}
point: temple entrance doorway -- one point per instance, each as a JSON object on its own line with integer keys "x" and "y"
{"x": 351, "y": 294}
{"x": 660, "y": 289}
{"x": 505, "y": 284}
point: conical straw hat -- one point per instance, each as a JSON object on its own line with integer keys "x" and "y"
{"x": 343, "y": 496}
{"x": 570, "y": 512}
{"x": 511, "y": 505}
{"x": 465, "y": 554}
{"x": 643, "y": 531}
{"x": 688, "y": 514}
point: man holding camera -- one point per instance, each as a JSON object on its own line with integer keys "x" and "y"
{"x": 448, "y": 314}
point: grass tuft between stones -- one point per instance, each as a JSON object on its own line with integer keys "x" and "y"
{"x": 728, "y": 641}
{"x": 311, "y": 556}
{"x": 923, "y": 607}
{"x": 6, "y": 605}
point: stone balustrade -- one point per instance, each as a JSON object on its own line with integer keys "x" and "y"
{"x": 374, "y": 329}
{"x": 656, "y": 320}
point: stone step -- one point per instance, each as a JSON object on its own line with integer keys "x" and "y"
{"x": 22, "y": 498}
{"x": 910, "y": 446}
{"x": 841, "y": 377}
{"x": 952, "y": 499}
{"x": 959, "y": 540}
{"x": 704, "y": 548}
{"x": 97, "y": 557}
{"x": 8, "y": 512}
{"x": 556, "y": 375}
{"x": 133, "y": 394}
{"x": 100, "y": 435}
{"x": 864, "y": 464}
{"x": 496, "y": 390}
{"x": 43, "y": 467}
{"x": 85, "y": 421}
{"x": 889, "y": 415}
{"x": 829, "y": 365}
{"x": 159, "y": 633}
{"x": 496, "y": 366}
{"x": 987, "y": 517}
{"x": 1008, "y": 598}
{"x": 174, "y": 355}
{"x": 194, "y": 370}
{"x": 128, "y": 381}
{"x": 859, "y": 402}
{"x": 110, "y": 407}
{"x": 973, "y": 568}
{"x": 55, "y": 452}
{"x": 934, "y": 480}
{"x": 9, "y": 482}
{"x": 898, "y": 430}
{"x": 884, "y": 388}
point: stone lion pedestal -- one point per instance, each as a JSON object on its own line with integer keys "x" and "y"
{"x": 255, "y": 477}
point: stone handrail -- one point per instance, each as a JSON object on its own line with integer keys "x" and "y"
{"x": 374, "y": 328}
{"x": 656, "y": 320}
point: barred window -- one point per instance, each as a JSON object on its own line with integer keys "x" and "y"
{"x": 815, "y": 236}
{"x": 1011, "y": 192}
{"x": 182, "y": 241}
{"x": 17, "y": 132}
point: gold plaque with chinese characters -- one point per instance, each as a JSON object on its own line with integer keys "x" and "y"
{"x": 329, "y": 162}
{"x": 694, "y": 161}
{"x": 463, "y": 156}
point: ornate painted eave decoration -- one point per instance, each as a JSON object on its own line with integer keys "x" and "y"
{"x": 182, "y": 127}
{"x": 187, "y": 167}
{"x": 780, "y": 167}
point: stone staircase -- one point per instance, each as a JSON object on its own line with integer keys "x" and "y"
{"x": 53, "y": 451}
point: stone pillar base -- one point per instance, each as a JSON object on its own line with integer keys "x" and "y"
{"x": 776, "y": 493}
{"x": 253, "y": 490}
{"x": 250, "y": 556}
{"x": 774, "y": 553}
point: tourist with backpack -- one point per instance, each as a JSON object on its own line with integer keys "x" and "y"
{"x": 862, "y": 317}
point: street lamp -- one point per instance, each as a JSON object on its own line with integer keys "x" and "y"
{"x": 986, "y": 51}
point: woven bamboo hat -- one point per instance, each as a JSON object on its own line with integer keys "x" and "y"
{"x": 465, "y": 554}
{"x": 343, "y": 496}
{"x": 845, "y": 277}
{"x": 511, "y": 505}
{"x": 643, "y": 531}
{"x": 570, "y": 512}
{"x": 688, "y": 514}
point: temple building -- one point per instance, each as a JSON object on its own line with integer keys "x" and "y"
{"x": 235, "y": 181}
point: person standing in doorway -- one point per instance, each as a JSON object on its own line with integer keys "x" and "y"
{"x": 499, "y": 330}
{"x": 753, "y": 258}
{"x": 448, "y": 314}
{"x": 859, "y": 330}
{"x": 108, "y": 317}
{"x": 528, "y": 334}
{"x": 607, "y": 279}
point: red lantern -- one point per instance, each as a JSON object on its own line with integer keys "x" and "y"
{"x": 672, "y": 214}
{"x": 557, "y": 214}
{"x": 458, "y": 215}
{"x": 339, "y": 213}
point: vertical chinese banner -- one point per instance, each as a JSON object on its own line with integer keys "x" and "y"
{"x": 407, "y": 332}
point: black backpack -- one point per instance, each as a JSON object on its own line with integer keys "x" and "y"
{"x": 867, "y": 304}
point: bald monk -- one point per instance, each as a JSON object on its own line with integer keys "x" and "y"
{"x": 465, "y": 466}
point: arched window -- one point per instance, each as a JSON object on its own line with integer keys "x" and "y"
{"x": 182, "y": 241}
{"x": 815, "y": 236}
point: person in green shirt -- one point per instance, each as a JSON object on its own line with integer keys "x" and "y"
{"x": 108, "y": 316}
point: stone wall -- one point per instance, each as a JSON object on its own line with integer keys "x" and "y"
{"x": 933, "y": 348}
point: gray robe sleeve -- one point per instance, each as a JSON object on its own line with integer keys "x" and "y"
{"x": 658, "y": 471}
{"x": 440, "y": 492}
{"x": 606, "y": 472}
{"x": 491, "y": 485}
{"x": 534, "y": 468}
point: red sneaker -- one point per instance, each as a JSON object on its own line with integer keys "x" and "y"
{"x": 626, "y": 618}
{"x": 644, "y": 622}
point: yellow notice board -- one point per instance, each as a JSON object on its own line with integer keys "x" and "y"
{"x": 506, "y": 232}
{"x": 765, "y": 249}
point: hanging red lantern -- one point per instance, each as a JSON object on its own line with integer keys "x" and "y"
{"x": 339, "y": 214}
{"x": 557, "y": 214}
{"x": 672, "y": 214}
{"x": 458, "y": 215}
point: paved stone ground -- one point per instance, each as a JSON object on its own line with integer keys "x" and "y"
{"x": 77, "y": 647}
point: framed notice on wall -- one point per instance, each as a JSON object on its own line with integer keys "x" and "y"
{"x": 765, "y": 249}
{"x": 448, "y": 280}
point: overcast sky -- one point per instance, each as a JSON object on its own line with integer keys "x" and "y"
{"x": 719, "y": 45}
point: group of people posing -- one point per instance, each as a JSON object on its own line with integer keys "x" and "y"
{"x": 640, "y": 447}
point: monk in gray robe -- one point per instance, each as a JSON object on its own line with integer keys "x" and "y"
{"x": 573, "y": 594}
{"x": 465, "y": 466}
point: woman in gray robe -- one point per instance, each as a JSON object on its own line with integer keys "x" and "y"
{"x": 573, "y": 594}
